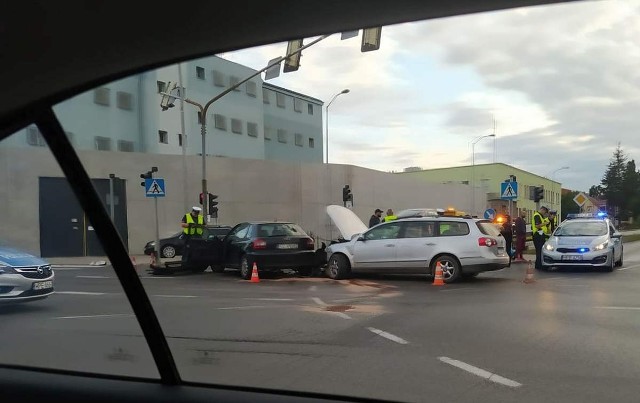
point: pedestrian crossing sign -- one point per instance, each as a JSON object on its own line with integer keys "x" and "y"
{"x": 509, "y": 190}
{"x": 154, "y": 187}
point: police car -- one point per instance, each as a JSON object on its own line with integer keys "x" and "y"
{"x": 584, "y": 240}
{"x": 23, "y": 277}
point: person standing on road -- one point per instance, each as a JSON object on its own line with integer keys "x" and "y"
{"x": 390, "y": 216}
{"x": 553, "y": 221}
{"x": 188, "y": 221}
{"x": 375, "y": 218}
{"x": 507, "y": 233}
{"x": 539, "y": 227}
{"x": 521, "y": 236}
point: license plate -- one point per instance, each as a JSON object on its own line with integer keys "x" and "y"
{"x": 571, "y": 257}
{"x": 43, "y": 285}
{"x": 288, "y": 246}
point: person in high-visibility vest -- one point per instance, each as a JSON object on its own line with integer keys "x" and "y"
{"x": 390, "y": 216}
{"x": 553, "y": 221}
{"x": 540, "y": 229}
{"x": 194, "y": 217}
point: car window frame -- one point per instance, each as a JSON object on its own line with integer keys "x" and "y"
{"x": 381, "y": 227}
{"x": 443, "y": 222}
{"x": 406, "y": 225}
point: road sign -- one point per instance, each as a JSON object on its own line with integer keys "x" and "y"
{"x": 509, "y": 190}
{"x": 154, "y": 187}
{"x": 489, "y": 214}
{"x": 580, "y": 199}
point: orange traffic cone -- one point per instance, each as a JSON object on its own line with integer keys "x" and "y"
{"x": 528, "y": 278}
{"x": 254, "y": 274}
{"x": 438, "y": 279}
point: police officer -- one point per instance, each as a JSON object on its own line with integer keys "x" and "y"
{"x": 390, "y": 216}
{"x": 540, "y": 229}
{"x": 553, "y": 221}
{"x": 193, "y": 222}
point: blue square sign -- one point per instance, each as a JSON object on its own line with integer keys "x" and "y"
{"x": 509, "y": 190}
{"x": 154, "y": 187}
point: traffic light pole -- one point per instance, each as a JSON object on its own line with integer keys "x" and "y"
{"x": 158, "y": 255}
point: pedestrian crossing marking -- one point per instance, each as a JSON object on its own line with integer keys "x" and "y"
{"x": 154, "y": 187}
{"x": 509, "y": 192}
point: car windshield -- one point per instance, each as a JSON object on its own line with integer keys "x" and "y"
{"x": 488, "y": 114}
{"x": 578, "y": 228}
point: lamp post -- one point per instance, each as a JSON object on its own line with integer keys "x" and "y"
{"x": 473, "y": 170}
{"x": 326, "y": 145}
{"x": 553, "y": 185}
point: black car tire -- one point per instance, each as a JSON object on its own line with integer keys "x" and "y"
{"x": 245, "y": 268}
{"x": 609, "y": 268}
{"x": 338, "y": 267}
{"x": 620, "y": 262}
{"x": 168, "y": 251}
{"x": 451, "y": 270}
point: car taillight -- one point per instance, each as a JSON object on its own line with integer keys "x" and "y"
{"x": 259, "y": 244}
{"x": 487, "y": 242}
{"x": 310, "y": 244}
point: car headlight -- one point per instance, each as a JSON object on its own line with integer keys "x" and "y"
{"x": 601, "y": 246}
{"x": 549, "y": 247}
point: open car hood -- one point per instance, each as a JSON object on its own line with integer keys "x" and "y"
{"x": 347, "y": 222}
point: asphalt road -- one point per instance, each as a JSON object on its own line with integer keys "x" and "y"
{"x": 570, "y": 336}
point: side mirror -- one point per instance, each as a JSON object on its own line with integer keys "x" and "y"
{"x": 359, "y": 237}
{"x": 616, "y": 235}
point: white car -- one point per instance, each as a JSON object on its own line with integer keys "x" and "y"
{"x": 584, "y": 242}
{"x": 463, "y": 246}
{"x": 23, "y": 277}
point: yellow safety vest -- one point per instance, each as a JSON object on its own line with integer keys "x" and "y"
{"x": 544, "y": 221}
{"x": 192, "y": 230}
{"x": 390, "y": 218}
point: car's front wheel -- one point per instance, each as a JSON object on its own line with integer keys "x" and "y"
{"x": 451, "y": 270}
{"x": 245, "y": 268}
{"x": 620, "y": 262}
{"x": 168, "y": 251}
{"x": 338, "y": 267}
{"x": 609, "y": 267}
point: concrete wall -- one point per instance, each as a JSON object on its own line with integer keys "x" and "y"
{"x": 247, "y": 189}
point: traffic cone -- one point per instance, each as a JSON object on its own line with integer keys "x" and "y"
{"x": 528, "y": 278}
{"x": 254, "y": 274}
{"x": 438, "y": 279}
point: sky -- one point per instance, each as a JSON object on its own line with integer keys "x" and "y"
{"x": 562, "y": 83}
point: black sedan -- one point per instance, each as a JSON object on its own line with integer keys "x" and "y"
{"x": 174, "y": 245}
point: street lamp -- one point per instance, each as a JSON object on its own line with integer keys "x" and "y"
{"x": 553, "y": 185}
{"x": 473, "y": 170}
{"x": 345, "y": 91}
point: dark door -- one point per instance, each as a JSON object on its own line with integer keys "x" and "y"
{"x": 234, "y": 244}
{"x": 94, "y": 248}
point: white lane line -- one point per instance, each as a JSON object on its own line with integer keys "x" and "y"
{"x": 241, "y": 307}
{"x": 341, "y": 314}
{"x": 388, "y": 336}
{"x": 114, "y": 315}
{"x": 268, "y": 299}
{"x": 619, "y": 308}
{"x": 552, "y": 278}
{"x": 156, "y": 277}
{"x": 80, "y": 293}
{"x": 318, "y": 301}
{"x": 313, "y": 288}
{"x": 480, "y": 372}
{"x": 175, "y": 296}
{"x": 93, "y": 277}
{"x": 629, "y": 267}
{"x": 456, "y": 289}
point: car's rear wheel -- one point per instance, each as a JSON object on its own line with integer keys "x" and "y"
{"x": 245, "y": 268}
{"x": 338, "y": 267}
{"x": 451, "y": 270}
{"x": 168, "y": 251}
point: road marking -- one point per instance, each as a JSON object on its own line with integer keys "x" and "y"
{"x": 388, "y": 336}
{"x": 341, "y": 314}
{"x": 176, "y": 296}
{"x": 93, "y": 277}
{"x": 269, "y": 299}
{"x": 241, "y": 307}
{"x": 480, "y": 372}
{"x": 620, "y": 308}
{"x": 629, "y": 267}
{"x": 318, "y": 301}
{"x": 156, "y": 277}
{"x": 313, "y": 288}
{"x": 114, "y": 315}
{"x": 456, "y": 289}
{"x": 552, "y": 278}
{"x": 65, "y": 267}
{"x": 80, "y": 293}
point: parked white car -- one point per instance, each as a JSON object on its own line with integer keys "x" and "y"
{"x": 463, "y": 246}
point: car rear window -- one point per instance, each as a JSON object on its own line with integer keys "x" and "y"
{"x": 488, "y": 228}
{"x": 280, "y": 229}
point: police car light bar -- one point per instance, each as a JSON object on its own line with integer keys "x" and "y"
{"x": 600, "y": 214}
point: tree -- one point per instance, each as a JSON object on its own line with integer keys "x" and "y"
{"x": 630, "y": 190}
{"x": 567, "y": 204}
{"x": 612, "y": 183}
{"x": 596, "y": 191}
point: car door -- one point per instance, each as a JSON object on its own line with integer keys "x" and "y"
{"x": 415, "y": 246}
{"x": 234, "y": 244}
{"x": 376, "y": 248}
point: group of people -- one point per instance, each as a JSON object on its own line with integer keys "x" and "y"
{"x": 543, "y": 223}
{"x": 377, "y": 218}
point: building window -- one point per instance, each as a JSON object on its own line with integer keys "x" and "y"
{"x": 299, "y": 140}
{"x": 236, "y": 126}
{"x": 163, "y": 137}
{"x": 218, "y": 78}
{"x": 101, "y": 96}
{"x": 252, "y": 129}
{"x": 280, "y": 100}
{"x": 310, "y": 109}
{"x": 199, "y": 117}
{"x": 297, "y": 105}
{"x": 265, "y": 96}
{"x": 162, "y": 86}
{"x": 125, "y": 146}
{"x": 282, "y": 136}
{"x": 220, "y": 122}
{"x": 34, "y": 138}
{"x": 200, "y": 72}
{"x": 180, "y": 139}
{"x": 124, "y": 100}
{"x": 312, "y": 143}
{"x": 233, "y": 80}
{"x": 103, "y": 143}
{"x": 251, "y": 88}
{"x": 268, "y": 133}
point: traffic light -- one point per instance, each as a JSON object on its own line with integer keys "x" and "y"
{"x": 148, "y": 175}
{"x": 347, "y": 196}
{"x": 538, "y": 193}
{"x": 201, "y": 198}
{"x": 213, "y": 210}
{"x": 292, "y": 63}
